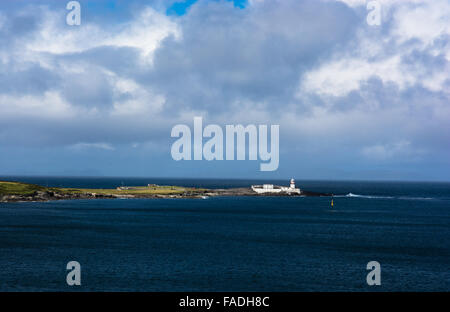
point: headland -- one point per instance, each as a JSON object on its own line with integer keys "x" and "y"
{"x": 18, "y": 191}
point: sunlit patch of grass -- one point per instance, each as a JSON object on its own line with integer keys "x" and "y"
{"x": 17, "y": 188}
{"x": 154, "y": 190}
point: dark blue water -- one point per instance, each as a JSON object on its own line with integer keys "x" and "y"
{"x": 231, "y": 244}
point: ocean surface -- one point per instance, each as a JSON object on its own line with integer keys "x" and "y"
{"x": 230, "y": 243}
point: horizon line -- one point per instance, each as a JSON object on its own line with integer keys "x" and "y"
{"x": 223, "y": 178}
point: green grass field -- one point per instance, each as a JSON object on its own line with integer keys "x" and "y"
{"x": 18, "y": 188}
{"x": 163, "y": 190}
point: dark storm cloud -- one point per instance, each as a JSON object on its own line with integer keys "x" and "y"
{"x": 90, "y": 89}
{"x": 228, "y": 55}
{"x": 28, "y": 79}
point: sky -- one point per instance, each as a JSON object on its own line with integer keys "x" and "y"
{"x": 352, "y": 100}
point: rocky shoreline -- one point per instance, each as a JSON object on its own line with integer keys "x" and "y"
{"x": 48, "y": 196}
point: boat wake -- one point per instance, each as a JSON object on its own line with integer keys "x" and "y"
{"x": 368, "y": 196}
{"x": 351, "y": 195}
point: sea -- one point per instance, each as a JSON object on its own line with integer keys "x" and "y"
{"x": 230, "y": 243}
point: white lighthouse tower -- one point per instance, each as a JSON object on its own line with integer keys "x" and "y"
{"x": 292, "y": 186}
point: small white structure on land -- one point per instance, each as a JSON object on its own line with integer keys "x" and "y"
{"x": 270, "y": 188}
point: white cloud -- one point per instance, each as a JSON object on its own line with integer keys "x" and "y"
{"x": 384, "y": 3}
{"x": 48, "y": 105}
{"x": 383, "y": 152}
{"x": 426, "y": 21}
{"x": 139, "y": 101}
{"x": 342, "y": 76}
{"x": 144, "y": 33}
{"x": 84, "y": 146}
{"x": 382, "y": 55}
{"x": 49, "y": 46}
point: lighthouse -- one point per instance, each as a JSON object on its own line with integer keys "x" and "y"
{"x": 270, "y": 188}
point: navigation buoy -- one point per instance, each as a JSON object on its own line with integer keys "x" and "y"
{"x": 332, "y": 202}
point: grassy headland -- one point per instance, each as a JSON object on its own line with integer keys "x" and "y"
{"x": 17, "y": 188}
{"x": 17, "y": 191}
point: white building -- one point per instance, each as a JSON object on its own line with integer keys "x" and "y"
{"x": 270, "y": 188}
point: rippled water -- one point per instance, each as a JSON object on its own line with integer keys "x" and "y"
{"x": 231, "y": 244}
